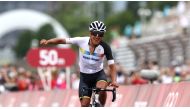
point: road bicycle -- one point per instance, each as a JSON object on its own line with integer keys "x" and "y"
{"x": 95, "y": 95}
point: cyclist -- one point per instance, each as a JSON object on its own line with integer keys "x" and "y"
{"x": 92, "y": 51}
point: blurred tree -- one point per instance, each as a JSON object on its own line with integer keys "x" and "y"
{"x": 45, "y": 32}
{"x": 118, "y": 21}
{"x": 107, "y": 9}
{"x": 157, "y": 5}
{"x": 130, "y": 16}
{"x": 23, "y": 43}
{"x": 72, "y": 16}
{"x": 133, "y": 7}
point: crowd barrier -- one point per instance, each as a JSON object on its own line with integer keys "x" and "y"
{"x": 149, "y": 95}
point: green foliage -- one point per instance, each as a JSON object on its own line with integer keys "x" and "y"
{"x": 130, "y": 16}
{"x": 45, "y": 32}
{"x": 158, "y": 5}
{"x": 107, "y": 9}
{"x": 133, "y": 7}
{"x": 113, "y": 22}
{"x": 24, "y": 42}
{"x": 72, "y": 17}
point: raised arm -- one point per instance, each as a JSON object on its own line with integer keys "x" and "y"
{"x": 53, "y": 41}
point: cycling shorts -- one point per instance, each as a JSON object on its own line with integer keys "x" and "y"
{"x": 89, "y": 81}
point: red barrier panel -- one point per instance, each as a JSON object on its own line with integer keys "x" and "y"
{"x": 39, "y": 98}
{"x": 158, "y": 95}
{"x": 73, "y": 99}
{"x": 183, "y": 95}
{"x": 23, "y": 99}
{"x": 2, "y": 96}
{"x": 10, "y": 100}
{"x": 59, "y": 98}
{"x": 151, "y": 95}
{"x": 121, "y": 94}
{"x": 125, "y": 96}
{"x": 173, "y": 95}
{"x": 144, "y": 93}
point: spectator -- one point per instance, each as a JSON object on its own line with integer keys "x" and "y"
{"x": 137, "y": 29}
{"x": 154, "y": 65}
{"x": 10, "y": 76}
{"x": 61, "y": 81}
{"x": 177, "y": 76}
{"x": 75, "y": 81}
{"x": 166, "y": 76}
{"x": 120, "y": 74}
{"x": 137, "y": 79}
{"x": 2, "y": 82}
{"x": 128, "y": 31}
{"x": 22, "y": 82}
{"x": 184, "y": 23}
{"x": 181, "y": 6}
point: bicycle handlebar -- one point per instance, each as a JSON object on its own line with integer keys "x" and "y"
{"x": 96, "y": 90}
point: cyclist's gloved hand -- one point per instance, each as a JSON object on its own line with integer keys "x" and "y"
{"x": 113, "y": 84}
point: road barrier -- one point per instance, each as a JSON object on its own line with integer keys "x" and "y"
{"x": 149, "y": 95}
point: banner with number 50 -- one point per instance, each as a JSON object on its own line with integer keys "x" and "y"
{"x": 49, "y": 57}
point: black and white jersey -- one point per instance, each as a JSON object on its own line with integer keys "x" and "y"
{"x": 91, "y": 63}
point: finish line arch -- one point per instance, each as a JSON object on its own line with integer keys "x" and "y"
{"x": 29, "y": 19}
{"x": 32, "y": 20}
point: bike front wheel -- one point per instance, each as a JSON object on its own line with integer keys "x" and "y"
{"x": 98, "y": 105}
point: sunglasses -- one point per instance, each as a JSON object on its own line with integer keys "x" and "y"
{"x": 97, "y": 33}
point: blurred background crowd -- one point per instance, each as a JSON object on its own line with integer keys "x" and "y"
{"x": 150, "y": 41}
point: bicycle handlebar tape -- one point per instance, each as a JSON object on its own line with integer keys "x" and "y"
{"x": 114, "y": 94}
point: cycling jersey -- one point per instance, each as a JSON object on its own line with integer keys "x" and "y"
{"x": 91, "y": 63}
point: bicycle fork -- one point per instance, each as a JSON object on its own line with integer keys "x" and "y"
{"x": 95, "y": 99}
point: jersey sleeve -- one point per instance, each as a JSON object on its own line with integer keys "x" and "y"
{"x": 108, "y": 54}
{"x": 75, "y": 40}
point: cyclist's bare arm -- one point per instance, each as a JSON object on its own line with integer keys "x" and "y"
{"x": 53, "y": 41}
{"x": 113, "y": 75}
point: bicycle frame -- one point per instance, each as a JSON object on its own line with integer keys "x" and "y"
{"x": 95, "y": 91}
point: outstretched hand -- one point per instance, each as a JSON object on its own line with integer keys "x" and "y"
{"x": 43, "y": 42}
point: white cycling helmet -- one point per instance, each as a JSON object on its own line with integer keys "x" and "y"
{"x": 97, "y": 26}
